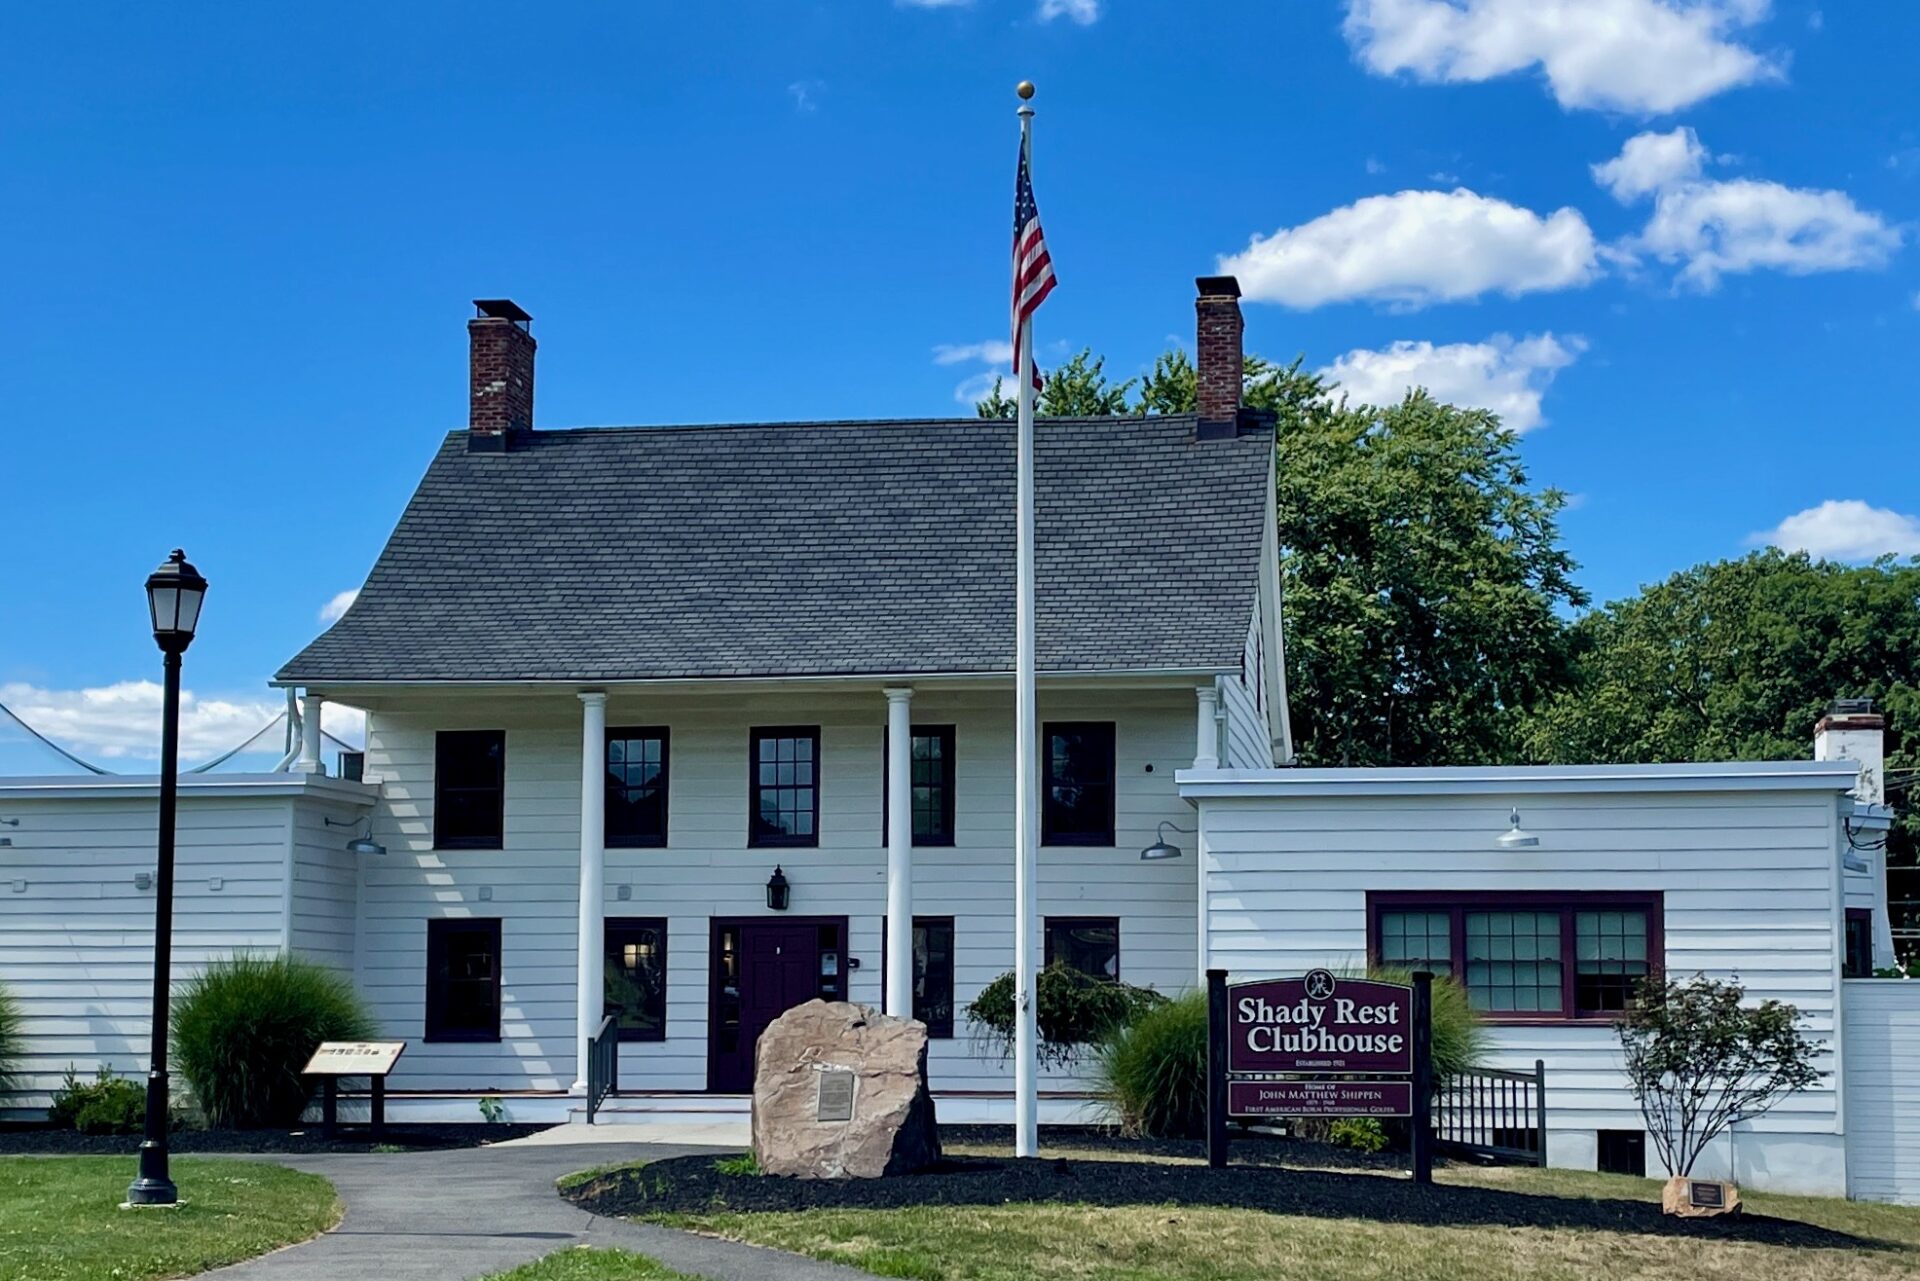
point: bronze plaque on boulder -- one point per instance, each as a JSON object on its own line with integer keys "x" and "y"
{"x": 836, "y": 1095}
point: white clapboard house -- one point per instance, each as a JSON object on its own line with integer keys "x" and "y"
{"x": 640, "y": 700}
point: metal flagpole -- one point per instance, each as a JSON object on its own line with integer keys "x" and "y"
{"x": 1026, "y": 1046}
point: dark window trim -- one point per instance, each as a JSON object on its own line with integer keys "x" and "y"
{"x": 435, "y": 1029}
{"x": 658, "y": 923}
{"x": 1851, "y": 965}
{"x": 1566, "y": 902}
{"x": 941, "y": 1030}
{"x": 643, "y": 842}
{"x": 945, "y": 733}
{"x": 754, "y": 738}
{"x": 441, "y": 842}
{"x": 1105, "y": 837}
{"x": 1047, "y": 924}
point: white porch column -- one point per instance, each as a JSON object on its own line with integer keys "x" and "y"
{"x": 1206, "y": 728}
{"x": 309, "y": 762}
{"x": 593, "y": 861}
{"x": 900, "y": 852}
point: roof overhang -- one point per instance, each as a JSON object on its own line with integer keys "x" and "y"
{"x": 136, "y": 787}
{"x": 1511, "y": 780}
{"x": 346, "y": 691}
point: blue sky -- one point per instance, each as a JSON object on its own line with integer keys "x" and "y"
{"x": 240, "y": 242}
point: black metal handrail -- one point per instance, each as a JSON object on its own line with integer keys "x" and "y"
{"x": 603, "y": 1065}
{"x": 1495, "y": 1113}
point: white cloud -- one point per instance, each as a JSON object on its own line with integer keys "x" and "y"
{"x": 121, "y": 722}
{"x": 1651, "y": 161}
{"x": 1417, "y": 247}
{"x": 994, "y": 351}
{"x": 1084, "y": 12}
{"x": 1712, "y": 227}
{"x": 332, "y": 611}
{"x": 806, "y": 94}
{"x": 1500, "y": 374}
{"x": 1845, "y": 529}
{"x": 1640, "y": 56}
{"x": 975, "y": 388}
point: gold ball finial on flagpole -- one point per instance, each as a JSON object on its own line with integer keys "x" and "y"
{"x": 1025, "y": 90}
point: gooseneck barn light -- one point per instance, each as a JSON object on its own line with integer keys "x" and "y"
{"x": 1516, "y": 837}
{"x": 175, "y": 592}
{"x": 1162, "y": 847}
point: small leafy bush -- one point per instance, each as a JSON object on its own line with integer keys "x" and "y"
{"x": 246, "y": 1026}
{"x": 1153, "y": 1071}
{"x": 1359, "y": 1133}
{"x": 1075, "y": 1012}
{"x": 1699, "y": 1059}
{"x": 10, "y": 1042}
{"x": 745, "y": 1164}
{"x": 108, "y": 1104}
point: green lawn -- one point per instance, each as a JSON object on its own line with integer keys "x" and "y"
{"x": 1046, "y": 1242}
{"x": 589, "y": 1263}
{"x": 60, "y": 1217}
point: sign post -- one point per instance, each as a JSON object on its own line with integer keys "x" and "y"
{"x": 1216, "y": 1068}
{"x": 1320, "y": 1045}
{"x": 371, "y": 1059}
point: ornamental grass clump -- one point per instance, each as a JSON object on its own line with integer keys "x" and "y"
{"x": 11, "y": 1049}
{"x": 1153, "y": 1072}
{"x": 244, "y": 1029}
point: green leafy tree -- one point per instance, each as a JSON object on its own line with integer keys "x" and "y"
{"x": 1423, "y": 580}
{"x": 1077, "y": 388}
{"x": 1699, "y": 1060}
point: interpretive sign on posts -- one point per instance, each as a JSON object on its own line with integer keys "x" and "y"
{"x": 371, "y": 1059}
{"x": 1324, "y": 1046}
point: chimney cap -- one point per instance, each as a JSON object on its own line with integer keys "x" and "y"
{"x": 1218, "y": 286}
{"x": 1850, "y": 707}
{"x": 502, "y": 309}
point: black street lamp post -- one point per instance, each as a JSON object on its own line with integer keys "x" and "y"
{"x": 174, "y": 593}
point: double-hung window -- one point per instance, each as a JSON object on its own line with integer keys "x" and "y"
{"x": 636, "y": 788}
{"x": 784, "y": 786}
{"x": 463, "y": 979}
{"x": 932, "y": 972}
{"x": 469, "y": 789}
{"x": 1524, "y": 956}
{"x": 1089, "y": 944}
{"x": 635, "y": 977}
{"x": 931, "y": 787}
{"x": 1078, "y": 783}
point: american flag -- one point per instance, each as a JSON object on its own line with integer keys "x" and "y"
{"x": 1033, "y": 276}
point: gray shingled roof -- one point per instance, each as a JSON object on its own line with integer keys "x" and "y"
{"x": 809, "y": 549}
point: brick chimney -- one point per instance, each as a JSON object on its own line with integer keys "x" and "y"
{"x": 1218, "y": 328}
{"x": 500, "y": 374}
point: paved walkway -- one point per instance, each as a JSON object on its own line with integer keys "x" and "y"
{"x": 448, "y": 1216}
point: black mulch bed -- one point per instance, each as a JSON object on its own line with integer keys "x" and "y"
{"x": 1246, "y": 1148}
{"x": 691, "y": 1185}
{"x": 41, "y": 1141}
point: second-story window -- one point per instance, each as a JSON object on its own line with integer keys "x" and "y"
{"x": 469, "y": 789}
{"x": 783, "y": 789}
{"x": 636, "y": 787}
{"x": 931, "y": 787}
{"x": 1077, "y": 789}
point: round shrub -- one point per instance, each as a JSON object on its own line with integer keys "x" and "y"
{"x": 11, "y": 1048}
{"x": 108, "y": 1104}
{"x": 1153, "y": 1072}
{"x": 246, "y": 1026}
{"x": 1075, "y": 1011}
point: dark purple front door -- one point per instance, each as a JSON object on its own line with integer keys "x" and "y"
{"x": 761, "y": 969}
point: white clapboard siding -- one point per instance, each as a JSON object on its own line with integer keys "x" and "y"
{"x": 1748, "y": 880}
{"x": 1883, "y": 1091}
{"x": 707, "y": 870}
{"x": 76, "y": 935}
{"x": 1248, "y": 740}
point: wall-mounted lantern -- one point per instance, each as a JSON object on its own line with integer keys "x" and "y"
{"x": 778, "y": 891}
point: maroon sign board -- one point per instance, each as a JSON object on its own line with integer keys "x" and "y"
{"x": 1320, "y": 1022}
{"x": 1320, "y": 1098}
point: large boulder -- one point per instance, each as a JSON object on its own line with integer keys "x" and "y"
{"x": 840, "y": 1092}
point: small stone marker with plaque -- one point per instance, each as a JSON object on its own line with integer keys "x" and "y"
{"x": 1689, "y": 1198}
{"x": 836, "y": 1095}
{"x": 371, "y": 1059}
